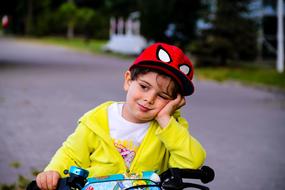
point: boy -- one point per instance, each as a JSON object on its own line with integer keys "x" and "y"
{"x": 146, "y": 132}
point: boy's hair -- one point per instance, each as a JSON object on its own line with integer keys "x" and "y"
{"x": 135, "y": 72}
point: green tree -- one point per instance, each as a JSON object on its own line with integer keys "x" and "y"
{"x": 157, "y": 16}
{"x": 120, "y": 8}
{"x": 43, "y": 17}
{"x": 233, "y": 34}
{"x": 88, "y": 22}
{"x": 30, "y": 17}
{"x": 68, "y": 12}
{"x": 85, "y": 17}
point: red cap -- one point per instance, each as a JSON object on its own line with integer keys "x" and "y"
{"x": 170, "y": 60}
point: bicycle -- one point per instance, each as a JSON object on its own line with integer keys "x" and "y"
{"x": 172, "y": 179}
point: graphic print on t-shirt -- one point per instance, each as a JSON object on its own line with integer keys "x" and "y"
{"x": 127, "y": 149}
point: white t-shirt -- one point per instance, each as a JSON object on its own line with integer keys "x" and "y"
{"x": 127, "y": 136}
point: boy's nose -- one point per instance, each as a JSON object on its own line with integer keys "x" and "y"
{"x": 150, "y": 98}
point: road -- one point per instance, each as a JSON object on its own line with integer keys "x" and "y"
{"x": 44, "y": 90}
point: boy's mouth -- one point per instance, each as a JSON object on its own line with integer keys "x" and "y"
{"x": 143, "y": 108}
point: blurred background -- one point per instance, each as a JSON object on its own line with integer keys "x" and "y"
{"x": 60, "y": 58}
{"x": 219, "y": 30}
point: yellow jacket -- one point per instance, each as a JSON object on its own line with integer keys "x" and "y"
{"x": 92, "y": 148}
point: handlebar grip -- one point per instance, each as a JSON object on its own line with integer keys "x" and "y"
{"x": 205, "y": 174}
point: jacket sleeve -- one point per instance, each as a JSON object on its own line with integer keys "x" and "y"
{"x": 185, "y": 150}
{"x": 74, "y": 151}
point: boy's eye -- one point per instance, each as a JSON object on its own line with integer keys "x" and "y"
{"x": 143, "y": 86}
{"x": 165, "y": 97}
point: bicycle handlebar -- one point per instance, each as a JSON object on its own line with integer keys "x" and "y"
{"x": 170, "y": 179}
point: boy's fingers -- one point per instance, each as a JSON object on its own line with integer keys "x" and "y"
{"x": 180, "y": 101}
{"x": 38, "y": 180}
{"x": 47, "y": 180}
{"x": 55, "y": 180}
{"x": 50, "y": 181}
{"x": 177, "y": 100}
{"x": 43, "y": 182}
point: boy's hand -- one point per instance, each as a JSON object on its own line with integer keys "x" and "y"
{"x": 47, "y": 180}
{"x": 165, "y": 113}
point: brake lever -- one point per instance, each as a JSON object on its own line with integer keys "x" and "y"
{"x": 175, "y": 180}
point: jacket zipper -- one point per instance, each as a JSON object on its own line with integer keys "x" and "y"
{"x": 141, "y": 147}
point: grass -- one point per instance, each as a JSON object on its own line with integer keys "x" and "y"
{"x": 261, "y": 74}
{"x": 93, "y": 46}
{"x": 252, "y": 74}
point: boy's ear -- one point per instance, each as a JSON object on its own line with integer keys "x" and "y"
{"x": 127, "y": 80}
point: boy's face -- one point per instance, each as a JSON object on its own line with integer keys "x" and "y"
{"x": 146, "y": 96}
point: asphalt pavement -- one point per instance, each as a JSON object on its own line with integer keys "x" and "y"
{"x": 44, "y": 89}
